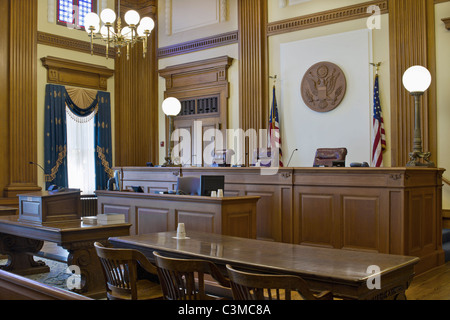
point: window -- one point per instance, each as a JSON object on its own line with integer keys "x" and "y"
{"x": 80, "y": 154}
{"x": 71, "y": 13}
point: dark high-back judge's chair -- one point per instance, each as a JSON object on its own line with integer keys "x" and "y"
{"x": 330, "y": 157}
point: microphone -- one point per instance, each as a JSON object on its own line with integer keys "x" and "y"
{"x": 292, "y": 154}
{"x": 38, "y": 165}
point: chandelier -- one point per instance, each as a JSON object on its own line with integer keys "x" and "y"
{"x": 138, "y": 30}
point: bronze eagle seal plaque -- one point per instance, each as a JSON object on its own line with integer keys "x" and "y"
{"x": 323, "y": 87}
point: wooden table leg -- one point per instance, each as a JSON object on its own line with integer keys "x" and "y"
{"x": 20, "y": 255}
{"x": 84, "y": 256}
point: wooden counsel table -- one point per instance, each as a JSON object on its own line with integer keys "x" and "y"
{"x": 19, "y": 240}
{"x": 343, "y": 272}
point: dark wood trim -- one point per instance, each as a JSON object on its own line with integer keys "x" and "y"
{"x": 136, "y": 96}
{"x": 54, "y": 40}
{"x": 325, "y": 18}
{"x": 200, "y": 44}
{"x": 22, "y": 96}
{"x": 74, "y": 73}
{"x": 253, "y": 66}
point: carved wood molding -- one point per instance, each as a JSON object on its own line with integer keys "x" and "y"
{"x": 79, "y": 74}
{"x": 326, "y": 17}
{"x": 447, "y": 23}
{"x": 54, "y": 40}
{"x": 199, "y": 44}
{"x": 207, "y": 72}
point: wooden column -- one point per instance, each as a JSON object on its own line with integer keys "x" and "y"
{"x": 4, "y": 95}
{"x": 136, "y": 96}
{"x": 412, "y": 42}
{"x": 21, "y": 96}
{"x": 253, "y": 66}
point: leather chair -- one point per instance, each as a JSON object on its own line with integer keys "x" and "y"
{"x": 129, "y": 275}
{"x": 262, "y": 157}
{"x": 188, "y": 186}
{"x": 184, "y": 279}
{"x": 252, "y": 286}
{"x": 329, "y": 157}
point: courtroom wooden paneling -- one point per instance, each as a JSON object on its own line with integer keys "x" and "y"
{"x": 136, "y": 97}
{"x": 394, "y": 210}
{"x": 4, "y": 96}
{"x": 21, "y": 96}
{"x": 274, "y": 206}
{"x": 411, "y": 44}
{"x": 253, "y": 65}
{"x": 386, "y": 210}
{"x": 149, "y": 213}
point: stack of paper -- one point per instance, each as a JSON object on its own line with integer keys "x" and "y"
{"x": 90, "y": 220}
{"x": 110, "y": 218}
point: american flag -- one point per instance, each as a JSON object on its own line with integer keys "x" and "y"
{"x": 379, "y": 138}
{"x": 274, "y": 127}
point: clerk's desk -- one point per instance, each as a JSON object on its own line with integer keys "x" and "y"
{"x": 385, "y": 210}
{"x": 148, "y": 213}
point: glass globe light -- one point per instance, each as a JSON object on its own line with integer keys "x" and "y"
{"x": 171, "y": 106}
{"x": 108, "y": 16}
{"x": 141, "y": 31}
{"x": 96, "y": 29}
{"x": 104, "y": 31}
{"x": 91, "y": 20}
{"x": 417, "y": 79}
{"x": 132, "y": 18}
{"x": 147, "y": 24}
{"x": 127, "y": 33}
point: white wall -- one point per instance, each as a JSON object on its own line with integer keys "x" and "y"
{"x": 443, "y": 95}
{"x": 349, "y": 125}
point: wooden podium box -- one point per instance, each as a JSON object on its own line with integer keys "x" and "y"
{"x": 47, "y": 206}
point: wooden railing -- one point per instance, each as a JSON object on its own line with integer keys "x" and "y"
{"x": 446, "y": 181}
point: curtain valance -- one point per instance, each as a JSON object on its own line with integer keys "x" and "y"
{"x": 83, "y": 103}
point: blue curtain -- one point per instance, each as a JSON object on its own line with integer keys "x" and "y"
{"x": 55, "y": 142}
{"x": 103, "y": 144}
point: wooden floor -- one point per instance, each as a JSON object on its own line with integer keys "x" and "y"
{"x": 431, "y": 285}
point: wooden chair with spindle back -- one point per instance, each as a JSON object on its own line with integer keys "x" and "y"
{"x": 252, "y": 286}
{"x": 184, "y": 279}
{"x": 127, "y": 273}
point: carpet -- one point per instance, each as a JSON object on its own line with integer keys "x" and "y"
{"x": 57, "y": 277}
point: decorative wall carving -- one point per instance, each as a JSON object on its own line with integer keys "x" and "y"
{"x": 54, "y": 40}
{"x": 200, "y": 44}
{"x": 323, "y": 87}
{"x": 79, "y": 74}
{"x": 325, "y": 17}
